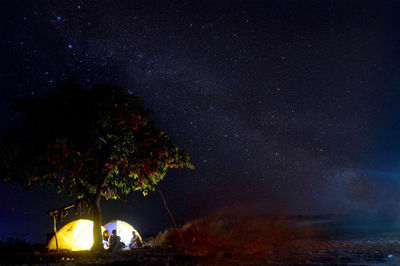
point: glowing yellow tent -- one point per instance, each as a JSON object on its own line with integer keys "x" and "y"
{"x": 74, "y": 236}
{"x": 124, "y": 230}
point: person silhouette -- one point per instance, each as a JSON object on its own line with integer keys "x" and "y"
{"x": 106, "y": 237}
{"x": 134, "y": 241}
{"x": 114, "y": 242}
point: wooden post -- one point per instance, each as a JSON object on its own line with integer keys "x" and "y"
{"x": 170, "y": 214}
{"x": 55, "y": 230}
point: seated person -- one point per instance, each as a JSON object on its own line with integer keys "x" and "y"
{"x": 106, "y": 237}
{"x": 114, "y": 242}
{"x": 134, "y": 241}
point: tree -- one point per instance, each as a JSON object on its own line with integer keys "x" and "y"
{"x": 88, "y": 143}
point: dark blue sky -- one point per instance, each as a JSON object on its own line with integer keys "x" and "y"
{"x": 287, "y": 106}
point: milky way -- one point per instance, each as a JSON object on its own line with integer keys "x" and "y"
{"x": 288, "y": 106}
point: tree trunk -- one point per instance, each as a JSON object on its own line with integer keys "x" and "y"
{"x": 97, "y": 236}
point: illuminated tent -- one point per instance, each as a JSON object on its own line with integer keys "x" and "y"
{"x": 74, "y": 236}
{"x": 124, "y": 230}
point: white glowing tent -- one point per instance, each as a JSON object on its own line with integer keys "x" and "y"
{"x": 74, "y": 236}
{"x": 124, "y": 230}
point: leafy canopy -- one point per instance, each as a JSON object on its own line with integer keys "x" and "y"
{"x": 88, "y": 142}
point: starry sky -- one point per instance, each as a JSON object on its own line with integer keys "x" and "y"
{"x": 288, "y": 107}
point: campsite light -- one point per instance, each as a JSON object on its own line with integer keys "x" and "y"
{"x": 83, "y": 236}
{"x": 74, "y": 236}
{"x": 124, "y": 230}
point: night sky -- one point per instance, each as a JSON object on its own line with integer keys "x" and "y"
{"x": 289, "y": 107}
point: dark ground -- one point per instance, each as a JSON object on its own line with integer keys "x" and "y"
{"x": 227, "y": 239}
{"x": 313, "y": 252}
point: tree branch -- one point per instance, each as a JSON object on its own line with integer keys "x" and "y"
{"x": 170, "y": 214}
{"x": 106, "y": 178}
